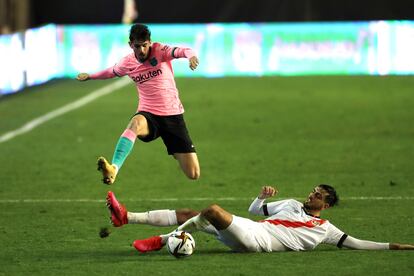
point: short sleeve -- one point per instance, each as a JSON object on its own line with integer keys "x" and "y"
{"x": 272, "y": 208}
{"x": 168, "y": 53}
{"x": 334, "y": 236}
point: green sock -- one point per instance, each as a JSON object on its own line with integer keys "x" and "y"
{"x": 123, "y": 148}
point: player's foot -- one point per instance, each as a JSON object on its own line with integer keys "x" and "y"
{"x": 147, "y": 245}
{"x": 119, "y": 214}
{"x": 115, "y": 221}
{"x": 108, "y": 171}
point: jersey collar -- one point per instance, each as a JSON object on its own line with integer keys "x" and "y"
{"x": 304, "y": 210}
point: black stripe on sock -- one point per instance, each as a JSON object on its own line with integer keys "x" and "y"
{"x": 341, "y": 240}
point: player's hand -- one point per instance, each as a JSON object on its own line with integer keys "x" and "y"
{"x": 397, "y": 246}
{"x": 83, "y": 77}
{"x": 193, "y": 62}
{"x": 267, "y": 191}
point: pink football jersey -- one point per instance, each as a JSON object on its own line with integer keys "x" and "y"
{"x": 154, "y": 78}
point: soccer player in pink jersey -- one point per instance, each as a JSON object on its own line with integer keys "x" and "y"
{"x": 160, "y": 112}
{"x": 291, "y": 225}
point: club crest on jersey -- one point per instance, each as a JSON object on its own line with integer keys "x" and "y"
{"x": 315, "y": 222}
{"x": 153, "y": 61}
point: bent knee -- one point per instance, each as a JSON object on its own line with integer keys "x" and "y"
{"x": 211, "y": 211}
{"x": 217, "y": 216}
{"x": 139, "y": 125}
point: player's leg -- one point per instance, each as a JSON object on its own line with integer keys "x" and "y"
{"x": 138, "y": 126}
{"x": 209, "y": 220}
{"x": 185, "y": 214}
{"x": 238, "y": 233}
{"x": 161, "y": 217}
{"x": 120, "y": 215}
{"x": 217, "y": 216}
{"x": 179, "y": 144}
{"x": 189, "y": 164}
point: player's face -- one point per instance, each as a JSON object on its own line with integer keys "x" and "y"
{"x": 141, "y": 49}
{"x": 316, "y": 200}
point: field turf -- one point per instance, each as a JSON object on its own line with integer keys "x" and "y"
{"x": 355, "y": 133}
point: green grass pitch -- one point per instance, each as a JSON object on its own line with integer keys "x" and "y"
{"x": 355, "y": 133}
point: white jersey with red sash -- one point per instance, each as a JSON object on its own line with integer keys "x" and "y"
{"x": 293, "y": 227}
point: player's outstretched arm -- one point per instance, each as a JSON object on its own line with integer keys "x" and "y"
{"x": 353, "y": 243}
{"x": 398, "y": 246}
{"x": 107, "y": 73}
{"x": 258, "y": 207}
{"x": 193, "y": 62}
{"x": 83, "y": 77}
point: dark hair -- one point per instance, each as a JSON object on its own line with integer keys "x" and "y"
{"x": 139, "y": 32}
{"x": 331, "y": 198}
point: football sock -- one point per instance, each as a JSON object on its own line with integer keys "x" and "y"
{"x": 194, "y": 224}
{"x": 210, "y": 229}
{"x": 123, "y": 147}
{"x": 137, "y": 218}
{"x": 197, "y": 223}
{"x": 155, "y": 218}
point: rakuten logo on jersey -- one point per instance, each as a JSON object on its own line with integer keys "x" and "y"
{"x": 141, "y": 78}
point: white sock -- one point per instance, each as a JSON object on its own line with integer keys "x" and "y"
{"x": 137, "y": 218}
{"x": 162, "y": 218}
{"x": 155, "y": 218}
{"x": 194, "y": 224}
{"x": 210, "y": 229}
{"x": 197, "y": 223}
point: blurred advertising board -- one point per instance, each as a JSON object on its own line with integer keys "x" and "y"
{"x": 242, "y": 49}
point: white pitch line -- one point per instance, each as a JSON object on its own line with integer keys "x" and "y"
{"x": 211, "y": 199}
{"x": 64, "y": 109}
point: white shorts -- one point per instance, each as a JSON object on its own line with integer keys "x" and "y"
{"x": 245, "y": 235}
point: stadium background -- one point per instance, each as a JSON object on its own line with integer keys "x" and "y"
{"x": 24, "y": 14}
{"x": 354, "y": 132}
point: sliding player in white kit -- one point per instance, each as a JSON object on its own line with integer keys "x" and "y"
{"x": 291, "y": 225}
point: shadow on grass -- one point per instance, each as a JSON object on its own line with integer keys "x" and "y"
{"x": 120, "y": 255}
{"x": 129, "y": 254}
